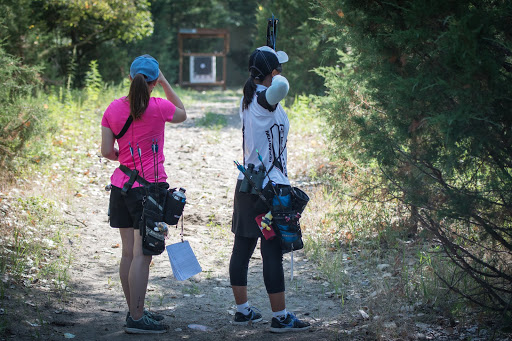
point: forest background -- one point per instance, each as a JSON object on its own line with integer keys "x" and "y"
{"x": 415, "y": 98}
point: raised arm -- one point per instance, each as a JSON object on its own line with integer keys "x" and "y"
{"x": 277, "y": 90}
{"x": 180, "y": 115}
{"x": 270, "y": 97}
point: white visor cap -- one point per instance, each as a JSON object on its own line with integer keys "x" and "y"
{"x": 282, "y": 57}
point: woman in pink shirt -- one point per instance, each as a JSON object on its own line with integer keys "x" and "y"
{"x": 148, "y": 116}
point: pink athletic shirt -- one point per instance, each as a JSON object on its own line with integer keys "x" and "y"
{"x": 150, "y": 127}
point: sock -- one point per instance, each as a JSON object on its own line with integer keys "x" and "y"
{"x": 243, "y": 308}
{"x": 280, "y": 315}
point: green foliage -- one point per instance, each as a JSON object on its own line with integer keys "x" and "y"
{"x": 64, "y": 36}
{"x": 93, "y": 82}
{"x": 302, "y": 112}
{"x": 422, "y": 91}
{"x": 107, "y": 19}
{"x": 21, "y": 116}
{"x": 303, "y": 38}
{"x": 52, "y": 33}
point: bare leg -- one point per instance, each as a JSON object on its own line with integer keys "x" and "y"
{"x": 277, "y": 301}
{"x": 138, "y": 277}
{"x": 126, "y": 261}
{"x": 240, "y": 293}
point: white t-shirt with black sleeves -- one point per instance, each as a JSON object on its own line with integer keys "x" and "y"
{"x": 265, "y": 131}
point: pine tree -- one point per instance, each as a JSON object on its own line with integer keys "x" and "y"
{"x": 423, "y": 92}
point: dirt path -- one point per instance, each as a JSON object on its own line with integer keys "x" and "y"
{"x": 202, "y": 162}
{"x": 366, "y": 300}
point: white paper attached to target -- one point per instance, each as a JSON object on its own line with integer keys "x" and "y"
{"x": 203, "y": 69}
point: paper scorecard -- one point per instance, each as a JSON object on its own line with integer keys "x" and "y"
{"x": 184, "y": 263}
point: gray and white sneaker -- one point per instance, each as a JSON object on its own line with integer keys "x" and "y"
{"x": 150, "y": 314}
{"x": 153, "y": 315}
{"x": 145, "y": 325}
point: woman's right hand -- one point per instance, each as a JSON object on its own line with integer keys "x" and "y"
{"x": 180, "y": 114}
{"x": 161, "y": 78}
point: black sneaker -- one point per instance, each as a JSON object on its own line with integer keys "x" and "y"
{"x": 145, "y": 325}
{"x": 289, "y": 324}
{"x": 252, "y": 317}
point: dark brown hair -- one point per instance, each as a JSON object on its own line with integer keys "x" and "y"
{"x": 138, "y": 96}
{"x": 249, "y": 89}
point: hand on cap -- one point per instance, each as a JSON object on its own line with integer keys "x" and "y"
{"x": 161, "y": 78}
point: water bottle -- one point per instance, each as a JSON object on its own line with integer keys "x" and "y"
{"x": 174, "y": 206}
{"x": 180, "y": 195}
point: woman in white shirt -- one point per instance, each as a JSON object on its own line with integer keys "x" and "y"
{"x": 265, "y": 132}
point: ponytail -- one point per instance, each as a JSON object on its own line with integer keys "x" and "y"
{"x": 138, "y": 96}
{"x": 249, "y": 90}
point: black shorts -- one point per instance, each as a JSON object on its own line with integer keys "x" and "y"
{"x": 245, "y": 209}
{"x": 125, "y": 211}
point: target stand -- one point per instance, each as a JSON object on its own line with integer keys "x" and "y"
{"x": 203, "y": 66}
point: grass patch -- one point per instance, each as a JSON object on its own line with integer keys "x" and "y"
{"x": 188, "y": 95}
{"x": 35, "y": 255}
{"x": 34, "y": 260}
{"x": 30, "y": 238}
{"x": 212, "y": 121}
{"x": 307, "y": 143}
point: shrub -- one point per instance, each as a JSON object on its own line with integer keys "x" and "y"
{"x": 422, "y": 93}
{"x": 21, "y": 116}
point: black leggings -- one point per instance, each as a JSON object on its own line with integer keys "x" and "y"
{"x": 273, "y": 274}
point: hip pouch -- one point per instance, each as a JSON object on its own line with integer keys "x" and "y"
{"x": 288, "y": 229}
{"x": 153, "y": 242}
{"x": 154, "y": 203}
{"x": 161, "y": 206}
{"x": 162, "y": 203}
{"x": 287, "y": 206}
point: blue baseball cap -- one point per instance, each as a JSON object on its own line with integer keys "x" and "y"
{"x": 146, "y": 65}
